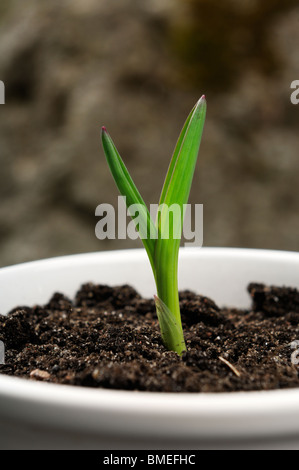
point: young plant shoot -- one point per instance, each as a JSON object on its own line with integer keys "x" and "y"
{"x": 161, "y": 238}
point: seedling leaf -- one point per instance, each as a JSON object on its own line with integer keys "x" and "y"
{"x": 128, "y": 189}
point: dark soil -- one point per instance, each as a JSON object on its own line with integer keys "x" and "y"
{"x": 109, "y": 337}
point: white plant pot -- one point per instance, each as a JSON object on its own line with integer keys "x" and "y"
{"x": 35, "y": 415}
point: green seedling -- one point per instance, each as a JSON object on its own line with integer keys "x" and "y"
{"x": 161, "y": 238}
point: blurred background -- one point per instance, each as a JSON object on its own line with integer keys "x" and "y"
{"x": 138, "y": 68}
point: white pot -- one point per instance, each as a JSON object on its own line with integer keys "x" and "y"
{"x": 36, "y": 415}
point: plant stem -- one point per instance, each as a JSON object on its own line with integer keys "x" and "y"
{"x": 167, "y": 289}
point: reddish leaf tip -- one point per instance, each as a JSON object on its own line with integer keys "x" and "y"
{"x": 104, "y": 129}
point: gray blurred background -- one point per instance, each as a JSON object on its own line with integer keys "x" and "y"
{"x": 138, "y": 67}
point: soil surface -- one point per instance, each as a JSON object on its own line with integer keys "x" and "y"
{"x": 109, "y": 337}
